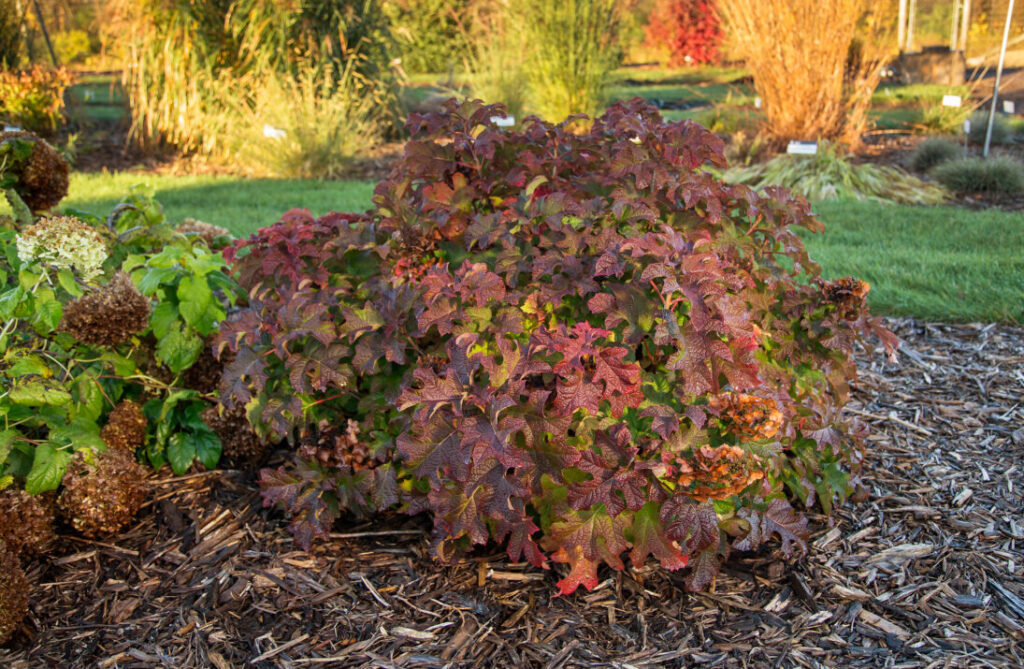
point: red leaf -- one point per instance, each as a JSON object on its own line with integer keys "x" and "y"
{"x": 649, "y": 539}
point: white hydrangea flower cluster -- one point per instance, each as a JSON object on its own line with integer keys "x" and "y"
{"x": 64, "y": 242}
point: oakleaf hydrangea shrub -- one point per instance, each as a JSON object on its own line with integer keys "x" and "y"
{"x": 584, "y": 347}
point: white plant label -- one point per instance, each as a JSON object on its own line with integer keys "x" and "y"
{"x": 272, "y": 132}
{"x": 951, "y": 101}
{"x": 802, "y": 148}
{"x": 11, "y": 128}
{"x": 503, "y": 121}
{"x": 967, "y": 126}
{"x": 1009, "y": 107}
{"x": 757, "y": 103}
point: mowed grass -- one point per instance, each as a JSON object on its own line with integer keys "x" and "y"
{"x": 937, "y": 263}
{"x": 240, "y": 205}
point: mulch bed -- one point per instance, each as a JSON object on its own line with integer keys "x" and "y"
{"x": 928, "y": 572}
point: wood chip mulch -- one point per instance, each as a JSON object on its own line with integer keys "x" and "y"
{"x": 929, "y": 572}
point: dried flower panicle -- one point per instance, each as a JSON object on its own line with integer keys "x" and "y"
{"x": 14, "y": 588}
{"x": 333, "y": 446}
{"x": 717, "y": 473}
{"x": 126, "y": 427}
{"x": 64, "y": 242}
{"x": 204, "y": 374}
{"x": 240, "y": 443}
{"x": 208, "y": 232}
{"x": 43, "y": 179}
{"x": 846, "y": 291}
{"x": 26, "y": 522}
{"x": 107, "y": 315}
{"x": 102, "y": 491}
{"x": 747, "y": 416}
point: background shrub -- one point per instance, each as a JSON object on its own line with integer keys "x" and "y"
{"x": 778, "y": 39}
{"x": 34, "y": 99}
{"x": 496, "y": 58}
{"x": 576, "y": 345}
{"x": 689, "y": 30}
{"x": 10, "y": 34}
{"x": 1002, "y": 131}
{"x": 934, "y": 151}
{"x": 999, "y": 175}
{"x": 431, "y": 35}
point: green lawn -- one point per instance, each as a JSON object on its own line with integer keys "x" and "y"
{"x": 240, "y": 205}
{"x": 942, "y": 263}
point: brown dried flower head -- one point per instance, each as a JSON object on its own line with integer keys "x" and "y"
{"x": 208, "y": 232}
{"x": 335, "y": 446}
{"x": 43, "y": 181}
{"x": 102, "y": 491}
{"x": 717, "y": 473}
{"x": 26, "y": 523}
{"x": 240, "y": 444}
{"x": 13, "y": 594}
{"x": 107, "y": 315}
{"x": 846, "y": 291}
{"x": 747, "y": 416}
{"x": 126, "y": 427}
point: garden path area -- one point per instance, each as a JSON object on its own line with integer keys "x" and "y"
{"x": 927, "y": 572}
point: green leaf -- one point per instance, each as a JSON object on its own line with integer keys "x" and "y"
{"x": 48, "y": 467}
{"x": 123, "y": 366}
{"x": 48, "y": 312}
{"x": 208, "y": 447}
{"x": 27, "y": 364}
{"x": 163, "y": 319}
{"x": 178, "y": 350}
{"x": 80, "y": 431}
{"x": 37, "y": 393}
{"x": 154, "y": 278}
{"x": 9, "y": 301}
{"x": 67, "y": 281}
{"x": 7, "y": 438}
{"x": 181, "y": 451}
{"x": 88, "y": 398}
{"x": 194, "y": 298}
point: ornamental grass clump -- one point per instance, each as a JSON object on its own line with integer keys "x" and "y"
{"x": 998, "y": 175}
{"x": 932, "y": 152}
{"x": 828, "y": 175}
{"x": 580, "y": 346}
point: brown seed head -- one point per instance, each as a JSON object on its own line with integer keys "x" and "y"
{"x": 107, "y": 315}
{"x": 102, "y": 491}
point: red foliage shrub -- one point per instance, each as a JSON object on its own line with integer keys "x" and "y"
{"x": 576, "y": 345}
{"x": 689, "y": 29}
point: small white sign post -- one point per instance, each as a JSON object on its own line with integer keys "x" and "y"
{"x": 503, "y": 121}
{"x": 951, "y": 101}
{"x": 801, "y": 148}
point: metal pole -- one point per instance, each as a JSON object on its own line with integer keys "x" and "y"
{"x": 901, "y": 30}
{"x": 999, "y": 75}
{"x": 912, "y": 15}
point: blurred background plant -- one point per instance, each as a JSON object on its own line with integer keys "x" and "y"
{"x": 495, "y": 60}
{"x": 830, "y": 175}
{"x": 197, "y": 70}
{"x": 33, "y": 99}
{"x": 429, "y": 34}
{"x": 996, "y": 175}
{"x": 689, "y": 31}
{"x": 934, "y": 151}
{"x": 843, "y": 40}
{"x": 10, "y": 34}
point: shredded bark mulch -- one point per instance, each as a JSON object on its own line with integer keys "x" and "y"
{"x": 928, "y": 572}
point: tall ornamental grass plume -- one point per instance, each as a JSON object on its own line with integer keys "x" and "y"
{"x": 579, "y": 344}
{"x": 194, "y": 68}
{"x": 559, "y": 53}
{"x": 815, "y": 64}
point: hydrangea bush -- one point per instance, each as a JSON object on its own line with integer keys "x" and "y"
{"x": 580, "y": 346}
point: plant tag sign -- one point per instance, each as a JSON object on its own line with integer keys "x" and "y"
{"x": 11, "y": 128}
{"x": 503, "y": 121}
{"x": 757, "y": 103}
{"x": 272, "y": 132}
{"x": 1009, "y": 107}
{"x": 802, "y": 148}
{"x": 967, "y": 126}
{"x": 951, "y": 101}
